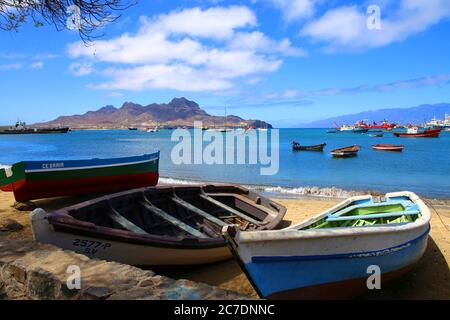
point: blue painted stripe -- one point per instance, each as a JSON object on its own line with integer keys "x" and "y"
{"x": 273, "y": 277}
{"x": 263, "y": 259}
{"x": 71, "y": 164}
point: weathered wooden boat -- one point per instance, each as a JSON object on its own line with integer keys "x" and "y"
{"x": 317, "y": 147}
{"x": 415, "y": 133}
{"x": 158, "y": 226}
{"x": 30, "y": 180}
{"x": 345, "y": 152}
{"x": 388, "y": 147}
{"x": 332, "y": 255}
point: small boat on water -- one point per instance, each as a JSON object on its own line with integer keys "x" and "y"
{"x": 132, "y": 128}
{"x": 388, "y": 147}
{"x": 297, "y": 147}
{"x": 330, "y": 256}
{"x": 360, "y": 130}
{"x": 158, "y": 226}
{"x": 416, "y": 133}
{"x": 30, "y": 180}
{"x": 376, "y": 135}
{"x": 345, "y": 152}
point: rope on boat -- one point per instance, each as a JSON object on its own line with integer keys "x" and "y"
{"x": 437, "y": 213}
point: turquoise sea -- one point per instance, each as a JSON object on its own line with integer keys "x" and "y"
{"x": 423, "y": 166}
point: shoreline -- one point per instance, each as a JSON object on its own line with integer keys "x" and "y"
{"x": 430, "y": 279}
{"x": 315, "y": 192}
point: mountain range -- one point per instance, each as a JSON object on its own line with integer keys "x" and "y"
{"x": 178, "y": 112}
{"x": 415, "y": 115}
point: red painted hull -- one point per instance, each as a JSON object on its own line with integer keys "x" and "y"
{"x": 425, "y": 134}
{"x": 31, "y": 190}
{"x": 388, "y": 147}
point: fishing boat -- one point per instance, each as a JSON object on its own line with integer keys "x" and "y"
{"x": 332, "y": 255}
{"x": 360, "y": 130}
{"x": 416, "y": 133}
{"x": 30, "y": 180}
{"x": 158, "y": 226}
{"x": 132, "y": 128}
{"x": 388, "y": 147}
{"x": 376, "y": 135}
{"x": 317, "y": 147}
{"x": 345, "y": 152}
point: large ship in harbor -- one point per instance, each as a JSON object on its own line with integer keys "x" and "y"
{"x": 21, "y": 128}
{"x": 438, "y": 123}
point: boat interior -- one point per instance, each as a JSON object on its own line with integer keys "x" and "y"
{"x": 370, "y": 212}
{"x": 194, "y": 211}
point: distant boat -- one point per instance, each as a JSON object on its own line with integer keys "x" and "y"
{"x": 329, "y": 256}
{"x": 153, "y": 130}
{"x": 360, "y": 130}
{"x": 388, "y": 147}
{"x": 376, "y": 135}
{"x": 415, "y": 133}
{"x": 30, "y": 180}
{"x": 297, "y": 147}
{"x": 21, "y": 128}
{"x": 161, "y": 226}
{"x": 132, "y": 128}
{"x": 345, "y": 152}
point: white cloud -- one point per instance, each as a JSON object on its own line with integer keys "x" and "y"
{"x": 257, "y": 41}
{"x": 345, "y": 27}
{"x": 189, "y": 50}
{"x": 80, "y": 68}
{"x": 10, "y": 66}
{"x": 295, "y": 9}
{"x": 37, "y": 65}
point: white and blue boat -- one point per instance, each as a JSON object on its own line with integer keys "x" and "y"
{"x": 334, "y": 254}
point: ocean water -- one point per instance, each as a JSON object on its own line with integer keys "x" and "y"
{"x": 423, "y": 166}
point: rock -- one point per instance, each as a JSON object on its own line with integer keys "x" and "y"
{"x": 42, "y": 285}
{"x": 10, "y": 225}
{"x": 97, "y": 293}
{"x": 24, "y": 206}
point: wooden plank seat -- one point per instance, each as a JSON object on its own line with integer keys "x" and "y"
{"x": 229, "y": 209}
{"x": 198, "y": 211}
{"x": 122, "y": 221}
{"x": 374, "y": 216}
{"x": 174, "y": 221}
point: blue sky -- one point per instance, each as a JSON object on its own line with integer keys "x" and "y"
{"x": 286, "y": 62}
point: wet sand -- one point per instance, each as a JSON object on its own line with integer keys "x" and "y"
{"x": 430, "y": 278}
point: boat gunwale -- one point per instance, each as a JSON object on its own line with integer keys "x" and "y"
{"x": 294, "y": 232}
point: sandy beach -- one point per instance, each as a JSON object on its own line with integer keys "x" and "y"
{"x": 430, "y": 278}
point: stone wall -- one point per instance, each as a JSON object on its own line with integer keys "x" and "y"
{"x": 29, "y": 270}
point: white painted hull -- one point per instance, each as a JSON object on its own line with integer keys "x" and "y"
{"x": 128, "y": 253}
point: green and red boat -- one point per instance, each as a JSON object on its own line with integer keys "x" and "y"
{"x": 30, "y": 180}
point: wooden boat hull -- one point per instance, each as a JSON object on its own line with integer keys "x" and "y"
{"x": 329, "y": 263}
{"x": 318, "y": 147}
{"x": 149, "y": 226}
{"x": 346, "y": 152}
{"x": 426, "y": 134}
{"x": 388, "y": 147}
{"x": 45, "y": 179}
{"x": 145, "y": 255}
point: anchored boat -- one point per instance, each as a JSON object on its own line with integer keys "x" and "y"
{"x": 31, "y": 180}
{"x": 345, "y": 152}
{"x": 388, "y": 147}
{"x": 331, "y": 255}
{"x": 297, "y": 147}
{"x": 415, "y": 133}
{"x": 158, "y": 226}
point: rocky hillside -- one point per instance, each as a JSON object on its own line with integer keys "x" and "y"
{"x": 178, "y": 112}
